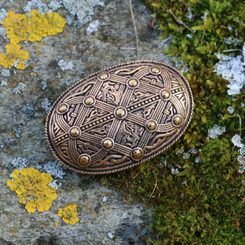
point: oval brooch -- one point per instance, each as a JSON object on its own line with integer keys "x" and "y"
{"x": 120, "y": 117}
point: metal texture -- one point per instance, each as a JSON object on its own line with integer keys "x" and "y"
{"x": 120, "y": 117}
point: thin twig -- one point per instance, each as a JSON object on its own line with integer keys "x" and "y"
{"x": 136, "y": 175}
{"x": 179, "y": 21}
{"x": 135, "y": 29}
{"x": 240, "y": 122}
{"x": 231, "y": 50}
{"x": 124, "y": 48}
{"x": 155, "y": 186}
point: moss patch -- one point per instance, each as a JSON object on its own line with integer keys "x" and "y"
{"x": 201, "y": 203}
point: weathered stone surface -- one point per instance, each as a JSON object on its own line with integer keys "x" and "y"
{"x": 25, "y": 97}
{"x": 102, "y": 215}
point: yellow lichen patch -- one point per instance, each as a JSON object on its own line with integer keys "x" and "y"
{"x": 14, "y": 55}
{"x": 32, "y": 188}
{"x": 69, "y": 214}
{"x": 30, "y": 27}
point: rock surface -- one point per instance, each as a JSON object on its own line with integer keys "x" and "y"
{"x": 106, "y": 38}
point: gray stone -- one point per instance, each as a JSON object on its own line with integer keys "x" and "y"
{"x": 24, "y": 101}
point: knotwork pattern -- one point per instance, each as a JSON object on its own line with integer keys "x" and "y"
{"x": 120, "y": 117}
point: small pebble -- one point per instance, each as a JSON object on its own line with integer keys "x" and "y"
{"x": 110, "y": 235}
{"x": 105, "y": 198}
{"x": 230, "y": 109}
{"x": 65, "y": 65}
{"x": 216, "y": 131}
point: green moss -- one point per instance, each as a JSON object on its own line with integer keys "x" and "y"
{"x": 203, "y": 203}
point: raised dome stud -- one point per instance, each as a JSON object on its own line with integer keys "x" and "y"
{"x": 103, "y": 76}
{"x": 84, "y": 160}
{"x": 74, "y": 132}
{"x": 62, "y": 108}
{"x": 89, "y": 101}
{"x": 137, "y": 154}
{"x": 155, "y": 70}
{"x": 120, "y": 112}
{"x": 165, "y": 94}
{"x": 133, "y": 82}
{"x": 177, "y": 120}
{"x": 107, "y": 144}
{"x": 151, "y": 125}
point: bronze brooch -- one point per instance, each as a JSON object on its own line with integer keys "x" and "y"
{"x": 119, "y": 117}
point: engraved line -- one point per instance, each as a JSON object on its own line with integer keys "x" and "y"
{"x": 162, "y": 128}
{"x": 146, "y": 88}
{"x": 180, "y": 92}
{"x": 72, "y": 93}
{"x": 60, "y": 142}
{"x": 64, "y": 158}
{"x": 119, "y": 133}
{"x": 166, "y": 79}
{"x": 127, "y": 71}
{"x": 104, "y": 106}
{"x": 136, "y": 119}
{"x": 124, "y": 95}
{"x": 149, "y": 87}
{"x": 177, "y": 88}
{"x": 148, "y": 81}
{"x": 114, "y": 128}
{"x": 157, "y": 113}
{"x": 122, "y": 149}
{"x": 165, "y": 114}
{"x": 138, "y": 104}
{"x": 72, "y": 146}
{"x": 178, "y": 105}
{"x": 96, "y": 88}
{"x": 98, "y": 156}
{"x": 81, "y": 117}
{"x": 141, "y": 73}
{"x": 75, "y": 100}
{"x": 110, "y": 166}
{"x": 144, "y": 139}
{"x": 119, "y": 79}
{"x": 83, "y": 128}
{"x": 159, "y": 110}
{"x": 162, "y": 110}
{"x": 60, "y": 136}
{"x": 75, "y": 111}
{"x": 91, "y": 138}
{"x": 144, "y": 85}
{"x": 61, "y": 122}
{"x": 127, "y": 97}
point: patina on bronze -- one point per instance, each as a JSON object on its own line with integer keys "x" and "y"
{"x": 120, "y": 117}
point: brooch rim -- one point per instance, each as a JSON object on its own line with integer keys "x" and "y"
{"x": 135, "y": 163}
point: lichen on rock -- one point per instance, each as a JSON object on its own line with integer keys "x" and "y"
{"x": 69, "y": 214}
{"x": 65, "y": 65}
{"x": 32, "y": 188}
{"x": 30, "y": 27}
{"x": 33, "y": 26}
{"x": 21, "y": 97}
{"x": 14, "y": 55}
{"x": 232, "y": 68}
{"x": 83, "y": 10}
{"x": 216, "y": 131}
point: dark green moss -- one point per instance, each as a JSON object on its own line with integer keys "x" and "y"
{"x": 203, "y": 203}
